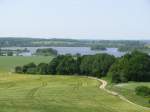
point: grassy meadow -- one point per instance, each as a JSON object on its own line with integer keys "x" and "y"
{"x": 128, "y": 90}
{"x": 39, "y": 93}
{"x": 27, "y": 93}
{"x": 8, "y": 63}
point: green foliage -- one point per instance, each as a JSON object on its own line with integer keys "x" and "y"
{"x": 46, "y": 52}
{"x": 143, "y": 91}
{"x": 29, "y": 68}
{"x": 42, "y": 68}
{"x": 131, "y": 67}
{"x": 93, "y": 65}
{"x": 96, "y": 65}
{"x": 128, "y": 91}
{"x": 54, "y": 63}
{"x": 18, "y": 69}
{"x": 67, "y": 65}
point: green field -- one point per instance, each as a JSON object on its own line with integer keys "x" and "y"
{"x": 20, "y": 93}
{"x": 128, "y": 90}
{"x": 7, "y": 63}
{"x": 35, "y": 93}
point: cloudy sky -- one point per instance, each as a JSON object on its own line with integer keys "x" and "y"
{"x": 81, "y": 19}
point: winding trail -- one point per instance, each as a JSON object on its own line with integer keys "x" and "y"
{"x": 103, "y": 86}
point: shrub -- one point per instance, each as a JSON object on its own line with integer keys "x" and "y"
{"x": 142, "y": 91}
{"x": 31, "y": 71}
{"x": 18, "y": 69}
{"x": 28, "y": 66}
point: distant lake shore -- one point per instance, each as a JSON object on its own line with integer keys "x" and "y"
{"x": 70, "y": 50}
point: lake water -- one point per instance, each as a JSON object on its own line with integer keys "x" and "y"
{"x": 71, "y": 50}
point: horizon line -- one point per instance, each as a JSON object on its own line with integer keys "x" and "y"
{"x": 36, "y": 37}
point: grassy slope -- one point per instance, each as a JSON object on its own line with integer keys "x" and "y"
{"x": 20, "y": 93}
{"x": 28, "y": 93}
{"x": 128, "y": 90}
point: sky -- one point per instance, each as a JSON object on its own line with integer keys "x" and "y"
{"x": 79, "y": 19}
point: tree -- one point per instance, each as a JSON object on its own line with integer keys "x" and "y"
{"x": 54, "y": 63}
{"x": 131, "y": 67}
{"x": 42, "y": 68}
{"x": 96, "y": 65}
{"x": 30, "y": 66}
{"x": 91, "y": 65}
{"x": 67, "y": 66}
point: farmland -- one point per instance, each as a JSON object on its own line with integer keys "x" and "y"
{"x": 39, "y": 93}
{"x": 7, "y": 63}
{"x": 57, "y": 94}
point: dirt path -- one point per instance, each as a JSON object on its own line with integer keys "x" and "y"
{"x": 103, "y": 86}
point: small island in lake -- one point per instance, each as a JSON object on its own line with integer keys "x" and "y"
{"x": 46, "y": 52}
{"x": 97, "y": 47}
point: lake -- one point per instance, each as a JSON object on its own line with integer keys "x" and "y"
{"x": 71, "y": 50}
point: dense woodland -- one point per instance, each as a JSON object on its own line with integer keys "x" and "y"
{"x": 131, "y": 67}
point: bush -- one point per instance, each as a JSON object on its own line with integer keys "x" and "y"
{"x": 31, "y": 71}
{"x": 29, "y": 68}
{"x": 18, "y": 69}
{"x": 142, "y": 91}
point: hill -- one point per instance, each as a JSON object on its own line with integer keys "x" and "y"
{"x": 40, "y": 93}
{"x": 57, "y": 94}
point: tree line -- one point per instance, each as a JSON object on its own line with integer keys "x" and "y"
{"x": 130, "y": 67}
{"x": 91, "y": 65}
